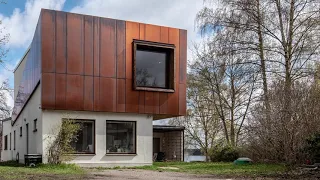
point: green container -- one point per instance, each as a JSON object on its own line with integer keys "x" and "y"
{"x": 242, "y": 161}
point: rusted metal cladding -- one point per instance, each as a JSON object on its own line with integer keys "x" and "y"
{"x": 87, "y": 65}
{"x": 31, "y": 74}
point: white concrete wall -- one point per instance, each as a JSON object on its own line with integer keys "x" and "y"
{"x": 52, "y": 120}
{"x": 27, "y": 116}
{"x": 18, "y": 73}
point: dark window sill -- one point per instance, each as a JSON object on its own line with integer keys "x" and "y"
{"x": 35, "y": 130}
{"x": 121, "y": 154}
{"x": 154, "y": 89}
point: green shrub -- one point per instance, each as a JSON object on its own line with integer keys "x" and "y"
{"x": 224, "y": 154}
{"x": 313, "y": 147}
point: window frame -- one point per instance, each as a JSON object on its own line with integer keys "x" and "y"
{"x": 171, "y": 65}
{"x": 135, "y": 138}
{"x": 94, "y": 136}
{"x": 35, "y": 121}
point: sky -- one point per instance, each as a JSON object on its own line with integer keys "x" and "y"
{"x": 19, "y": 19}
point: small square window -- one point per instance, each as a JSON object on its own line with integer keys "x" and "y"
{"x": 153, "y": 66}
{"x": 121, "y": 137}
{"x": 85, "y": 141}
{"x": 35, "y": 125}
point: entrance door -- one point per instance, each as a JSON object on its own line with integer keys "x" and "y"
{"x": 156, "y": 145}
{"x": 27, "y": 136}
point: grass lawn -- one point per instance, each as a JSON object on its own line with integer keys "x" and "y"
{"x": 18, "y": 172}
{"x": 223, "y": 169}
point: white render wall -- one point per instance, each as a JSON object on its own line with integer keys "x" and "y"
{"x": 27, "y": 116}
{"x": 52, "y": 120}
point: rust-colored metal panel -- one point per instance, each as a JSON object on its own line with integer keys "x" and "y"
{"x": 108, "y": 94}
{"x": 61, "y": 88}
{"x": 96, "y": 46}
{"x": 163, "y": 97}
{"x": 142, "y": 36}
{"x": 182, "y": 100}
{"x": 163, "y": 103}
{"x": 88, "y": 45}
{"x": 48, "y": 41}
{"x": 164, "y": 34}
{"x": 132, "y": 32}
{"x": 152, "y": 33}
{"x": 141, "y": 101}
{"x": 132, "y": 98}
{"x": 107, "y": 47}
{"x": 183, "y": 56}
{"x": 61, "y": 38}
{"x": 96, "y": 93}
{"x": 74, "y": 97}
{"x": 173, "y": 98}
{"x": 121, "y": 49}
{"x": 48, "y": 91}
{"x": 75, "y": 39}
{"x": 142, "y": 31}
{"x": 31, "y": 73}
{"x": 148, "y": 102}
{"x": 88, "y": 93}
{"x": 156, "y": 102}
{"x": 121, "y": 95}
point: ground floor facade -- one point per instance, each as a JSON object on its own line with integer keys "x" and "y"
{"x": 104, "y": 139}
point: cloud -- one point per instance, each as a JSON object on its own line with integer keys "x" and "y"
{"x": 173, "y": 13}
{"x": 21, "y": 24}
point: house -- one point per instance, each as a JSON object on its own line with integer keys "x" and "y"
{"x": 113, "y": 77}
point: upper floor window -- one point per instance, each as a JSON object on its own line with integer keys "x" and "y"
{"x": 153, "y": 66}
{"x": 35, "y": 125}
{"x": 20, "y": 131}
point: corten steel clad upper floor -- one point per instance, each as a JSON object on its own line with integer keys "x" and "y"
{"x": 88, "y": 63}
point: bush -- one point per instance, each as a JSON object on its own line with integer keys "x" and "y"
{"x": 313, "y": 147}
{"x": 224, "y": 154}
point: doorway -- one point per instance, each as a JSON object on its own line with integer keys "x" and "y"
{"x": 156, "y": 145}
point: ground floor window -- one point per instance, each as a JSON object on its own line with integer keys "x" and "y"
{"x": 6, "y": 142}
{"x": 121, "y": 137}
{"x": 85, "y": 143}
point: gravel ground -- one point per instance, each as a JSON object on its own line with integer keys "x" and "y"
{"x": 146, "y": 175}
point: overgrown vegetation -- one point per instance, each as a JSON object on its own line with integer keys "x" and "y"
{"x": 60, "y": 148}
{"x": 12, "y": 170}
{"x": 226, "y": 169}
{"x": 253, "y": 82}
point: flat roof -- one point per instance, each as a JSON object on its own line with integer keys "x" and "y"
{"x": 163, "y": 128}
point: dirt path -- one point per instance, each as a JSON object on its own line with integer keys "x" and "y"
{"x": 146, "y": 175}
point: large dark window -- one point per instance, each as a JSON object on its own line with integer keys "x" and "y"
{"x": 121, "y": 137}
{"x": 153, "y": 66}
{"x": 85, "y": 142}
